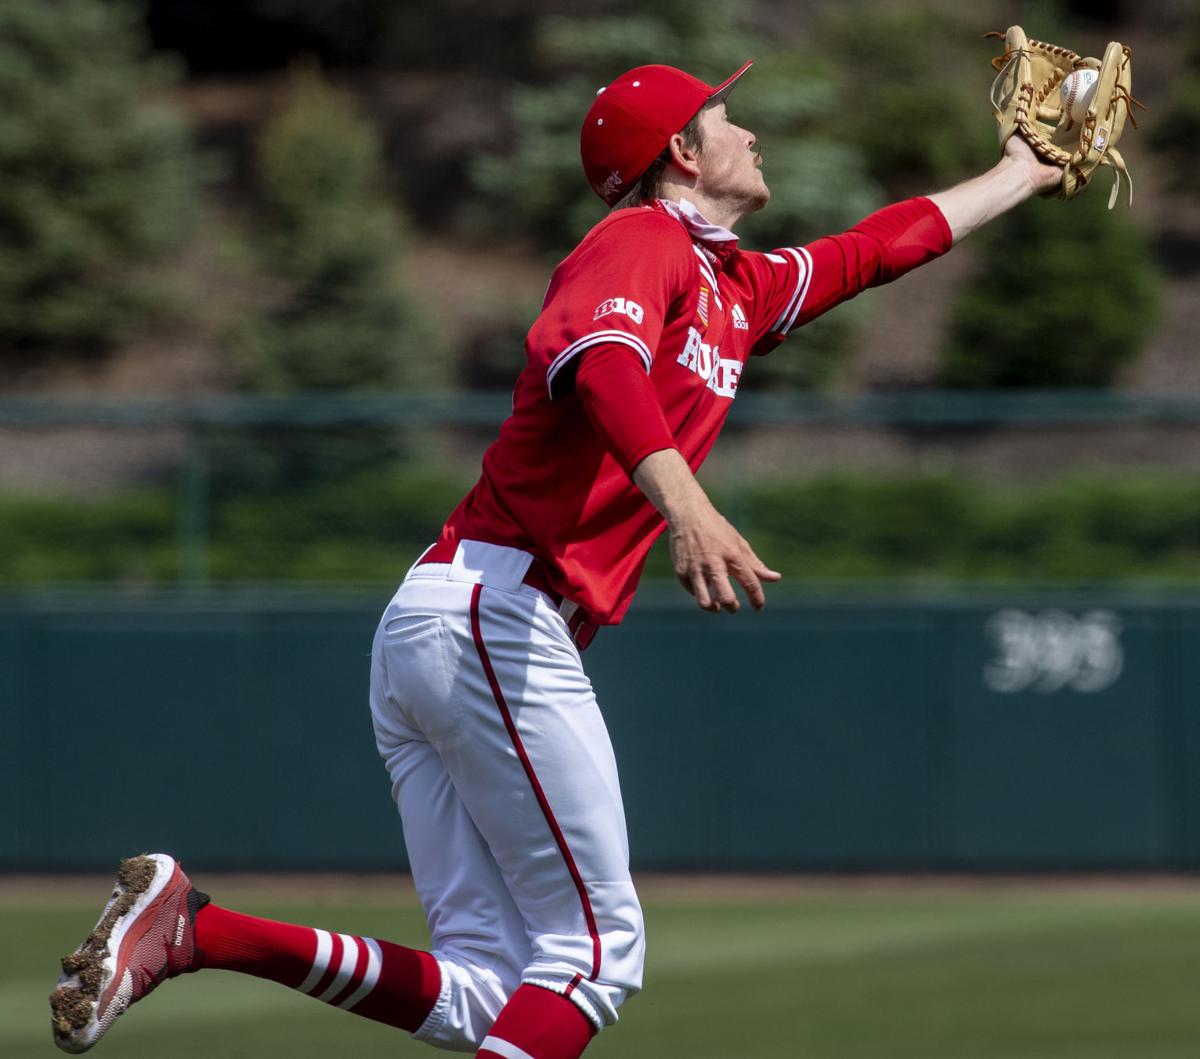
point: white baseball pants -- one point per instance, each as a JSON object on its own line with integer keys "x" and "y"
{"x": 507, "y": 788}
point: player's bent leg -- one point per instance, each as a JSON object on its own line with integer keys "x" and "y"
{"x": 548, "y": 1026}
{"x": 575, "y": 891}
{"x": 479, "y": 937}
{"x": 557, "y": 830}
{"x": 373, "y": 978}
{"x": 482, "y": 668}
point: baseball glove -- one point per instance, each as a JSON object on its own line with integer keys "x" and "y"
{"x": 1027, "y": 100}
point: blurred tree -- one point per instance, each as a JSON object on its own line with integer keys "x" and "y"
{"x": 332, "y": 242}
{"x": 341, "y": 31}
{"x": 96, "y": 180}
{"x": 917, "y": 122}
{"x": 234, "y": 36}
{"x": 1066, "y": 294}
{"x": 480, "y": 36}
{"x": 491, "y": 352}
{"x": 336, "y": 316}
{"x": 1176, "y": 132}
{"x": 403, "y": 35}
{"x": 536, "y": 189}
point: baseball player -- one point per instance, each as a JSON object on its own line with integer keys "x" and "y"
{"x": 499, "y": 758}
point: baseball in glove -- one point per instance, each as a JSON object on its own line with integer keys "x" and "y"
{"x": 1034, "y": 95}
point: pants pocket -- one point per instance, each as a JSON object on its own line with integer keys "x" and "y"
{"x": 419, "y": 680}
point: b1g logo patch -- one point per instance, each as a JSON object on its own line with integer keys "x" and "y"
{"x": 622, "y": 306}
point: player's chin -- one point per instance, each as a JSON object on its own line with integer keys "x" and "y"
{"x": 759, "y": 197}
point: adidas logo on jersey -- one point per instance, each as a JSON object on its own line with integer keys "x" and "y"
{"x": 739, "y": 319}
{"x": 719, "y": 375}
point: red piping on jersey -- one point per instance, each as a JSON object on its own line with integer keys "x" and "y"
{"x": 547, "y": 812}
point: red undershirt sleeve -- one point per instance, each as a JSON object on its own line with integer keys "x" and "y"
{"x": 799, "y": 283}
{"x": 877, "y": 250}
{"x": 907, "y": 235}
{"x": 620, "y": 403}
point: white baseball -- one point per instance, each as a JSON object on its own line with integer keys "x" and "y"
{"x": 1077, "y": 92}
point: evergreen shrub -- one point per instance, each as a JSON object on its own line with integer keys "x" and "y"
{"x": 330, "y": 244}
{"x": 369, "y": 526}
{"x": 98, "y": 178}
{"x": 1065, "y": 294}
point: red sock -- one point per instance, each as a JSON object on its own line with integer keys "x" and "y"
{"x": 376, "y": 979}
{"x": 540, "y": 1024}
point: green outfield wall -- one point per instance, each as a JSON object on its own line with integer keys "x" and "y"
{"x": 985, "y": 731}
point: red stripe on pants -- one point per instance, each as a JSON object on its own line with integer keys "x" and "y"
{"x": 547, "y": 812}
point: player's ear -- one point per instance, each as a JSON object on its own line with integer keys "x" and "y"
{"x": 685, "y": 157}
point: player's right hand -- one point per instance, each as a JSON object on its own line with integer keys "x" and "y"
{"x": 708, "y": 555}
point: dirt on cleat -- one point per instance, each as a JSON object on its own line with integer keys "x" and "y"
{"x": 71, "y": 1005}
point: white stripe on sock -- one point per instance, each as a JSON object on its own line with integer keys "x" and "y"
{"x": 504, "y": 1048}
{"x": 374, "y": 965}
{"x": 345, "y": 971}
{"x": 320, "y": 961}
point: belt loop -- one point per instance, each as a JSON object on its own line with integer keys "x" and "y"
{"x": 582, "y": 632}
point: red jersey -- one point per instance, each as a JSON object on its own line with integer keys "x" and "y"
{"x": 681, "y": 295}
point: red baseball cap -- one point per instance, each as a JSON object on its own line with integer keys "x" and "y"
{"x": 633, "y": 119}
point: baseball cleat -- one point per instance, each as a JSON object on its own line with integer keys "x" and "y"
{"x": 145, "y": 935}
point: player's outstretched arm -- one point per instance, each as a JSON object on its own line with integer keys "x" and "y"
{"x": 1017, "y": 176}
{"x": 706, "y": 551}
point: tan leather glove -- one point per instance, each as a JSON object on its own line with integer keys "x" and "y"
{"x": 1027, "y": 99}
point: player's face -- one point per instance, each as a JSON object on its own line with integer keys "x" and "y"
{"x": 730, "y": 168}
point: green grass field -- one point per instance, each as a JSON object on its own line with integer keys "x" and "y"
{"x": 983, "y": 971}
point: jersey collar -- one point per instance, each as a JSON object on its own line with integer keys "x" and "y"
{"x": 718, "y": 244}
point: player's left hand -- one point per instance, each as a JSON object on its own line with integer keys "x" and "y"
{"x": 1041, "y": 177}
